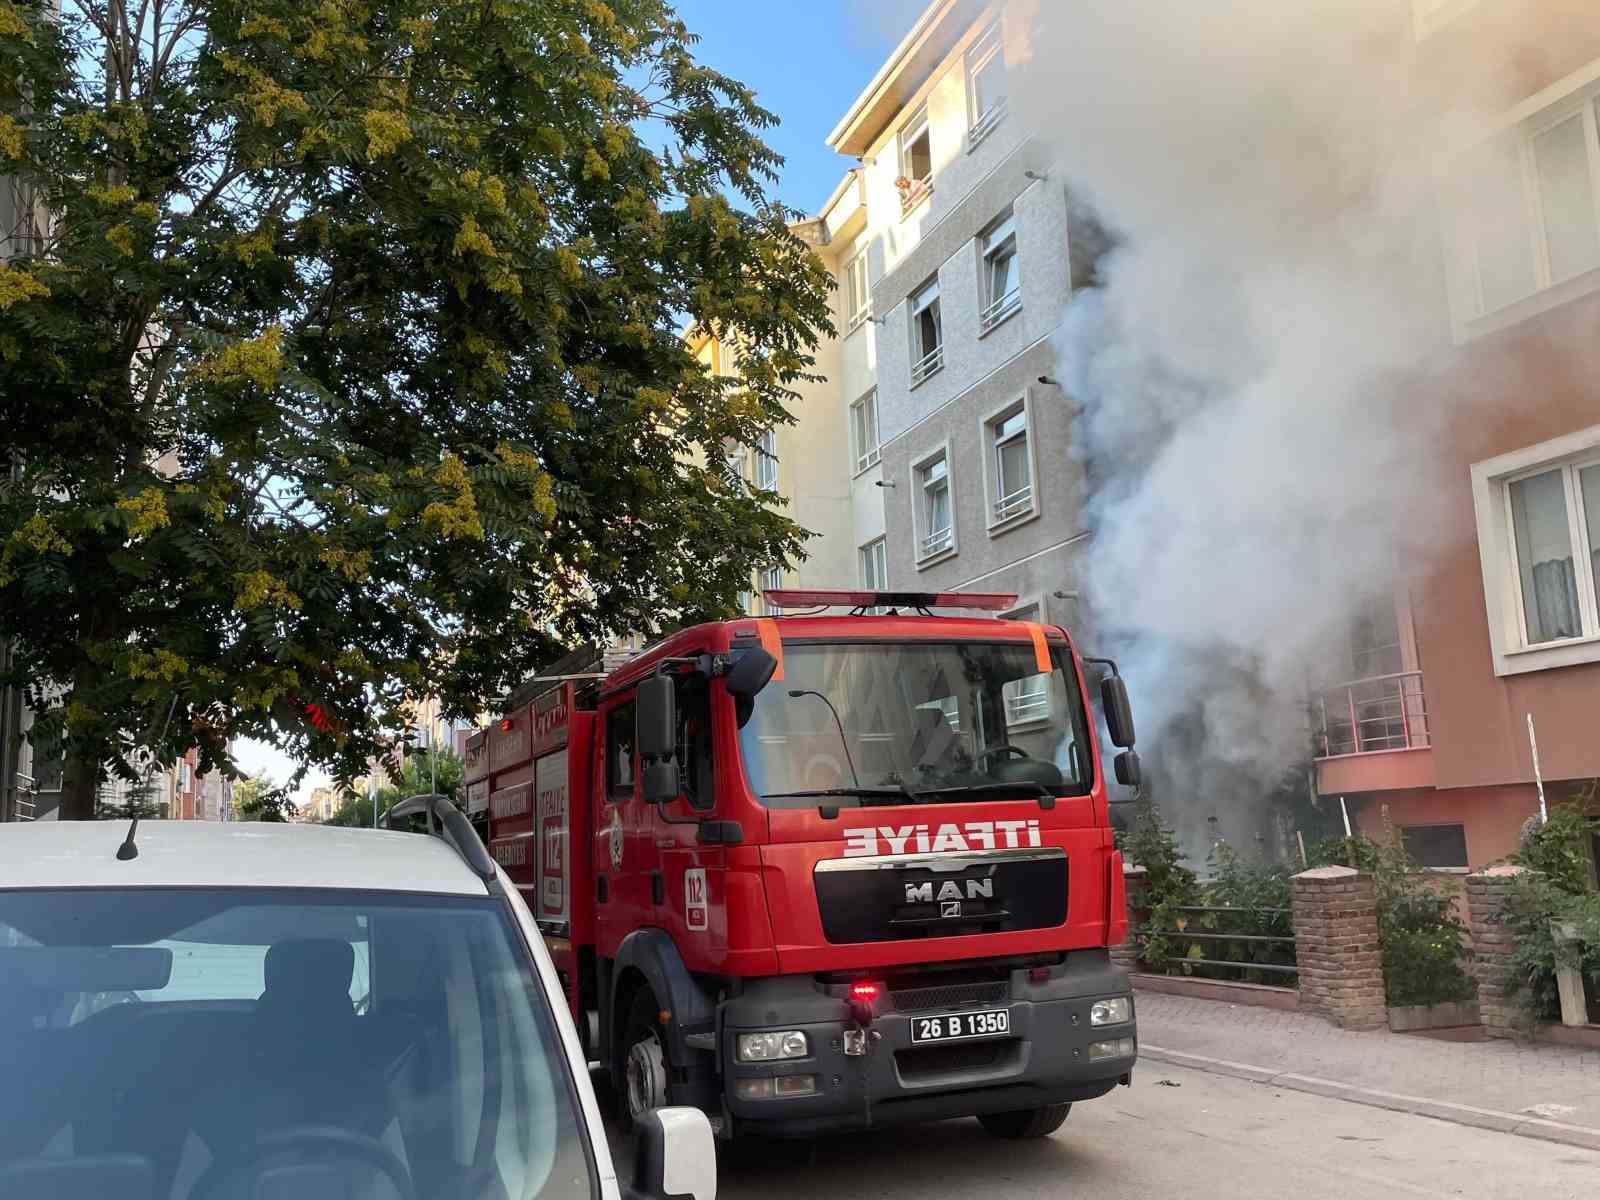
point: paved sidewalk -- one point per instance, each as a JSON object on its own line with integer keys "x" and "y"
{"x": 1534, "y": 1089}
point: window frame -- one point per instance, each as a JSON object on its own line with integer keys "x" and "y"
{"x": 859, "y": 307}
{"x": 926, "y": 555}
{"x": 875, "y": 551}
{"x": 1502, "y": 580}
{"x": 1449, "y": 869}
{"x": 765, "y": 473}
{"x": 866, "y": 456}
{"x": 988, "y": 431}
{"x": 624, "y": 708}
{"x": 987, "y": 48}
{"x": 1578, "y": 95}
{"x": 917, "y": 190}
{"x": 994, "y": 311}
{"x": 926, "y": 364}
{"x": 769, "y": 580}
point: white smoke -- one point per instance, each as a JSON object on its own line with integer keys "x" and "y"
{"x": 1260, "y": 374}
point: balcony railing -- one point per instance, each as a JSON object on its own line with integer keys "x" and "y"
{"x": 914, "y": 193}
{"x": 937, "y": 541}
{"x": 1014, "y": 504}
{"x": 1032, "y": 704}
{"x": 927, "y": 365}
{"x": 999, "y": 309}
{"x": 986, "y": 123}
{"x": 1369, "y": 716}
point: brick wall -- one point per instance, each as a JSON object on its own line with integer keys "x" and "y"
{"x": 1336, "y": 943}
{"x": 1499, "y": 1010}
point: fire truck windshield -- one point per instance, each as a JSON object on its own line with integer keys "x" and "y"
{"x": 891, "y": 722}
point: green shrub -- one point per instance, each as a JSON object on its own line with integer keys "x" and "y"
{"x": 1554, "y": 891}
{"x": 1169, "y": 886}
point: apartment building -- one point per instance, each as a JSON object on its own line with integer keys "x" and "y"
{"x": 960, "y": 441}
{"x": 1494, "y": 648}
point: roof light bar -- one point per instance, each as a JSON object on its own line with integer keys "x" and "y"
{"x": 803, "y": 598}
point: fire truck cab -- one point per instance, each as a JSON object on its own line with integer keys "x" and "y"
{"x": 828, "y": 872}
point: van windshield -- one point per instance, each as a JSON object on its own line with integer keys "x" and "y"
{"x": 213, "y": 1044}
{"x": 923, "y": 721}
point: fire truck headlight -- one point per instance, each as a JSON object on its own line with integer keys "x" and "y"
{"x": 1118, "y": 1011}
{"x": 772, "y": 1047}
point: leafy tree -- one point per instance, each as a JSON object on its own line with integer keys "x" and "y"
{"x": 346, "y": 368}
{"x": 257, "y": 798}
{"x": 418, "y": 775}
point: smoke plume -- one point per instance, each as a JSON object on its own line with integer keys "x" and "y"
{"x": 1259, "y": 376}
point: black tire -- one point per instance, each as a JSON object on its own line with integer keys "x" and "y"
{"x": 1027, "y": 1122}
{"x": 639, "y": 1085}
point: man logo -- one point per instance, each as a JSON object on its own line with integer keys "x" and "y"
{"x": 951, "y": 908}
{"x": 950, "y": 889}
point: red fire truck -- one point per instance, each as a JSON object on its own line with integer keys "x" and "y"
{"x": 826, "y": 872}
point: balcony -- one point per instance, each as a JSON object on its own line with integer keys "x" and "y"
{"x": 1367, "y": 734}
{"x": 929, "y": 364}
{"x": 998, "y": 310}
{"x": 938, "y": 542}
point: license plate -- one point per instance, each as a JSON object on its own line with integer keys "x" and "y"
{"x": 958, "y": 1027}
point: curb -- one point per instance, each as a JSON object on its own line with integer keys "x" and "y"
{"x": 1459, "y": 1114}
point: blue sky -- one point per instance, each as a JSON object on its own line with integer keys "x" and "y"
{"x": 807, "y": 60}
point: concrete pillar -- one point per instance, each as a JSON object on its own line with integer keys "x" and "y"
{"x": 1336, "y": 945}
{"x": 1500, "y": 1010}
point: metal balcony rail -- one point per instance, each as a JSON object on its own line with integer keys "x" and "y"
{"x": 999, "y": 309}
{"x": 1372, "y": 715}
{"x": 1254, "y": 943}
{"x": 986, "y": 123}
{"x": 1019, "y": 501}
{"x": 912, "y": 196}
{"x": 927, "y": 365}
{"x": 939, "y": 539}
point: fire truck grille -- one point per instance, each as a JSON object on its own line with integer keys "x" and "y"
{"x": 955, "y": 995}
{"x": 874, "y": 900}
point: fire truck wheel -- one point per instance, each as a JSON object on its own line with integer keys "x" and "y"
{"x": 1028, "y": 1123}
{"x": 645, "y": 1066}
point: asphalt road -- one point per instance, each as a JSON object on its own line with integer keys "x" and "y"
{"x": 1209, "y": 1136}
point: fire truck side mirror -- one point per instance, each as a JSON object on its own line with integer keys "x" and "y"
{"x": 751, "y": 673}
{"x": 656, "y": 734}
{"x": 1127, "y": 767}
{"x": 1119, "y": 712}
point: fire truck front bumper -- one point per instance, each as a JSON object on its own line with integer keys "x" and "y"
{"x": 1048, "y": 1036}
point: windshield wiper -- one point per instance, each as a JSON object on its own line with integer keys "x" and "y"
{"x": 1032, "y": 787}
{"x": 882, "y": 795}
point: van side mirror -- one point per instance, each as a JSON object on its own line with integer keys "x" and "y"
{"x": 655, "y": 728}
{"x": 1119, "y": 713}
{"x": 1127, "y": 767}
{"x": 752, "y": 672}
{"x": 675, "y": 1157}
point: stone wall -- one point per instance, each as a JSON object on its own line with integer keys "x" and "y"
{"x": 1336, "y": 934}
{"x": 1126, "y": 955}
{"x": 1499, "y": 1010}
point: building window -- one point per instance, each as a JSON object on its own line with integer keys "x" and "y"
{"x": 767, "y": 461}
{"x": 935, "y": 517}
{"x": 875, "y": 566}
{"x": 744, "y": 603}
{"x": 1002, "y": 275}
{"x": 864, "y": 431}
{"x": 986, "y": 84}
{"x": 857, "y": 294}
{"x": 737, "y": 459}
{"x": 916, "y": 161}
{"x": 1010, "y": 467}
{"x": 927, "y": 332}
{"x": 771, "y": 581}
{"x": 1442, "y": 847}
{"x": 1528, "y": 220}
{"x": 1027, "y": 699}
{"x": 1539, "y": 535}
